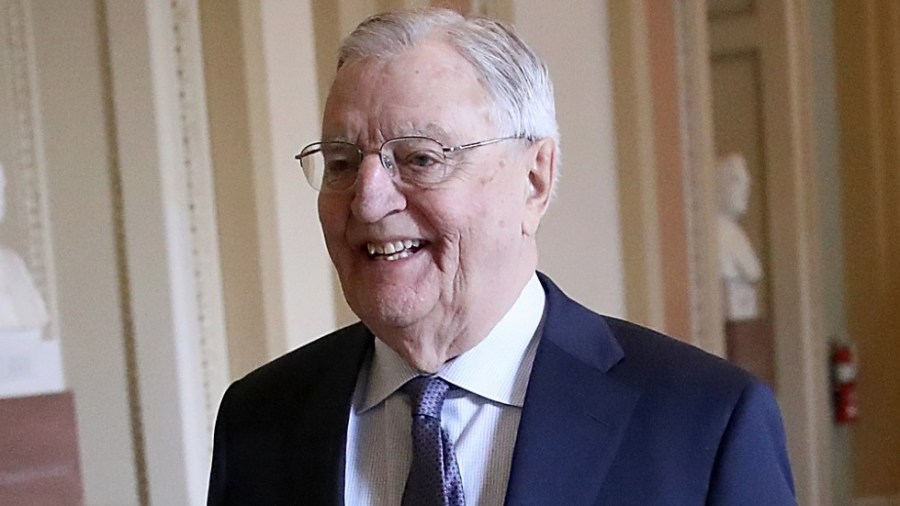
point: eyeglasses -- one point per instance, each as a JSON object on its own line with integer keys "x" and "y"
{"x": 419, "y": 161}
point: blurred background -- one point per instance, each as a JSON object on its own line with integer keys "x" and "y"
{"x": 153, "y": 209}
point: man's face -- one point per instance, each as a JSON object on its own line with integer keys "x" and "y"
{"x": 463, "y": 247}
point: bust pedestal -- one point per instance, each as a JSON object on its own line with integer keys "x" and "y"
{"x": 29, "y": 364}
{"x": 39, "y": 451}
{"x": 750, "y": 344}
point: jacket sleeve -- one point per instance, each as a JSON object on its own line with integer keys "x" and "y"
{"x": 217, "y": 475}
{"x": 751, "y": 465}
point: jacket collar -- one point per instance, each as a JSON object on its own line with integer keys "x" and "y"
{"x": 575, "y": 412}
{"x": 318, "y": 435}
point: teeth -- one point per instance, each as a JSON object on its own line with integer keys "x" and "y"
{"x": 393, "y": 250}
{"x": 397, "y": 256}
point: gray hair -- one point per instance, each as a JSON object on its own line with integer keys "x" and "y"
{"x": 514, "y": 76}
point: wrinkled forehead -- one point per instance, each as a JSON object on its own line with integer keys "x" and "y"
{"x": 427, "y": 90}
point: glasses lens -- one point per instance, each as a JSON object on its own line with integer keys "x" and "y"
{"x": 330, "y": 165}
{"x": 419, "y": 160}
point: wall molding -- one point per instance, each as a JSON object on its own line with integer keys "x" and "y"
{"x": 129, "y": 344}
{"x": 630, "y": 62}
{"x": 27, "y": 172}
{"x": 200, "y": 204}
{"x": 700, "y": 178}
{"x": 171, "y": 238}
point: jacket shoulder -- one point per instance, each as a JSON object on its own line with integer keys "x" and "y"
{"x": 301, "y": 368}
{"x": 657, "y": 360}
{"x": 729, "y": 423}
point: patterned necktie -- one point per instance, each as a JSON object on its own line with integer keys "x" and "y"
{"x": 434, "y": 478}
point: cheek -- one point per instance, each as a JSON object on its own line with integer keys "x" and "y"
{"x": 333, "y": 219}
{"x": 477, "y": 225}
{"x": 502, "y": 212}
{"x": 483, "y": 220}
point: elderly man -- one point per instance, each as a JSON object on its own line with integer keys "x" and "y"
{"x": 471, "y": 378}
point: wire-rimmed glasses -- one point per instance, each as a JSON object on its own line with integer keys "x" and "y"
{"x": 419, "y": 161}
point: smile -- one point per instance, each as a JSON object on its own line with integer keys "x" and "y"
{"x": 393, "y": 250}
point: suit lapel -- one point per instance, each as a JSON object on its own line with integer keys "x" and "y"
{"x": 575, "y": 413}
{"x": 318, "y": 434}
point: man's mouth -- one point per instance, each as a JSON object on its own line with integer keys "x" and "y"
{"x": 393, "y": 250}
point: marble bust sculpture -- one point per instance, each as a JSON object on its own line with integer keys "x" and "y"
{"x": 740, "y": 267}
{"x": 21, "y": 306}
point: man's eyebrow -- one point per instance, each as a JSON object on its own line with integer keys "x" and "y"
{"x": 432, "y": 130}
{"x": 409, "y": 129}
{"x": 337, "y": 138}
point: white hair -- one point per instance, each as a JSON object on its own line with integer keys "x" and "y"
{"x": 516, "y": 79}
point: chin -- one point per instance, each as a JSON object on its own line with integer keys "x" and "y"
{"x": 382, "y": 305}
{"x": 390, "y": 312}
{"x": 391, "y": 293}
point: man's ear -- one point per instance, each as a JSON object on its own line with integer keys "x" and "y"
{"x": 541, "y": 178}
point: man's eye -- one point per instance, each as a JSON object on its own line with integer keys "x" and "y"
{"x": 420, "y": 160}
{"x": 338, "y": 165}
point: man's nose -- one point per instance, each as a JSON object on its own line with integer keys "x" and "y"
{"x": 376, "y": 194}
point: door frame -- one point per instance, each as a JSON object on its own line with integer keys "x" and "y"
{"x": 800, "y": 345}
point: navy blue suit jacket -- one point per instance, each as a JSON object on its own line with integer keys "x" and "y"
{"x": 614, "y": 414}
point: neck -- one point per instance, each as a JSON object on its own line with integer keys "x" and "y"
{"x": 427, "y": 346}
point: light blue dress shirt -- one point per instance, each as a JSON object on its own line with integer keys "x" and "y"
{"x": 481, "y": 415}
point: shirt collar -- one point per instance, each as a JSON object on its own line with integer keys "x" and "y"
{"x": 497, "y": 368}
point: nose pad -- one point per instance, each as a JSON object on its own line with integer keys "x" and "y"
{"x": 376, "y": 194}
{"x": 387, "y": 163}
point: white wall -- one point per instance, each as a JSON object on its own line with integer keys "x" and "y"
{"x": 284, "y": 115}
{"x": 73, "y": 118}
{"x": 579, "y": 241}
{"x": 170, "y": 240}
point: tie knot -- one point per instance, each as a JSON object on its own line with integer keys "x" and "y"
{"x": 427, "y": 395}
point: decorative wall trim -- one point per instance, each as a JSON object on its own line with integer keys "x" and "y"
{"x": 199, "y": 191}
{"x": 171, "y": 238}
{"x": 639, "y": 212}
{"x": 126, "y": 309}
{"x": 700, "y": 182}
{"x": 27, "y": 172}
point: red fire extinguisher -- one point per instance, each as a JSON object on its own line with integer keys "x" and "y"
{"x": 844, "y": 368}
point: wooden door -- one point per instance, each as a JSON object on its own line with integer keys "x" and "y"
{"x": 867, "y": 44}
